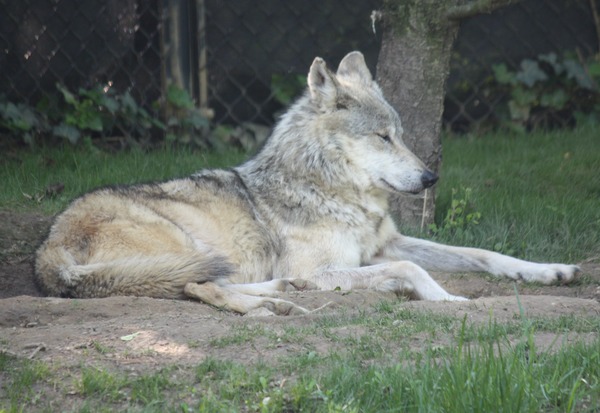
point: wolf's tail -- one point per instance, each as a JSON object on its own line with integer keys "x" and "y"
{"x": 161, "y": 276}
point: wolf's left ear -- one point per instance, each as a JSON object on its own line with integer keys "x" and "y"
{"x": 353, "y": 66}
{"x": 322, "y": 83}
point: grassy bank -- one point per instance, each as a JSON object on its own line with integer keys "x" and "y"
{"x": 29, "y": 180}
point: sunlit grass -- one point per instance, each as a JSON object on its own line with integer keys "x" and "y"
{"x": 29, "y": 179}
{"x": 538, "y": 194}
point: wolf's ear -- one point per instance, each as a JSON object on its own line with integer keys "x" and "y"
{"x": 353, "y": 66}
{"x": 322, "y": 83}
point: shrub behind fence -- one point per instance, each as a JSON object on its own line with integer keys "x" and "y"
{"x": 242, "y": 61}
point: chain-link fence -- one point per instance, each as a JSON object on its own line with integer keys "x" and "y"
{"x": 79, "y": 44}
{"x": 517, "y": 36}
{"x": 243, "y": 60}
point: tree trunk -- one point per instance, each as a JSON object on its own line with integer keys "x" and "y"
{"x": 412, "y": 69}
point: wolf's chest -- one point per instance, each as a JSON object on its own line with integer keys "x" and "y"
{"x": 372, "y": 236}
{"x": 353, "y": 247}
{"x": 333, "y": 245}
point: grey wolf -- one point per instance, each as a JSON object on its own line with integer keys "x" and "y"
{"x": 310, "y": 210}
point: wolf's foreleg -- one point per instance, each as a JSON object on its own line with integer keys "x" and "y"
{"x": 434, "y": 256}
{"x": 273, "y": 287}
{"x": 400, "y": 277}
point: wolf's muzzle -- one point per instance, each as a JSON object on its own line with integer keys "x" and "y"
{"x": 428, "y": 179}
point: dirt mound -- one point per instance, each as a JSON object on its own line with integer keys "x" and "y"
{"x": 146, "y": 332}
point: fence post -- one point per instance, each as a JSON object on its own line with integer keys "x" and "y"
{"x": 202, "y": 70}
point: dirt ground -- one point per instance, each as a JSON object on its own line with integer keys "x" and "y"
{"x": 142, "y": 333}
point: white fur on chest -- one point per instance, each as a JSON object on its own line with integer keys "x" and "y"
{"x": 334, "y": 243}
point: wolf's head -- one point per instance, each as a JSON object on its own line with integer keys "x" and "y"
{"x": 355, "y": 122}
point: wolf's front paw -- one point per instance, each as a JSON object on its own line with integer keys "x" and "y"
{"x": 549, "y": 273}
{"x": 446, "y": 297}
{"x": 283, "y": 307}
{"x": 455, "y": 298}
{"x": 300, "y": 284}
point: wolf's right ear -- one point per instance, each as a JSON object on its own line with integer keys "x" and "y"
{"x": 353, "y": 66}
{"x": 322, "y": 83}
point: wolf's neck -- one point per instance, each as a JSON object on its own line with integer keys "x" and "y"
{"x": 299, "y": 152}
{"x": 295, "y": 163}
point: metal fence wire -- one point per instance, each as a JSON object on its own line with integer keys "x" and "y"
{"x": 243, "y": 60}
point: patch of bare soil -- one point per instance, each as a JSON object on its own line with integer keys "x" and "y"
{"x": 20, "y": 235}
{"x": 142, "y": 333}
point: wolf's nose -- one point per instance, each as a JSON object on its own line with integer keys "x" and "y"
{"x": 428, "y": 179}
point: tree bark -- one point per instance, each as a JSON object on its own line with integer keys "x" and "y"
{"x": 412, "y": 69}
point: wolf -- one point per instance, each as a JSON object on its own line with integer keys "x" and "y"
{"x": 308, "y": 211}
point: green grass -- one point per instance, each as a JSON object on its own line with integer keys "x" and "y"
{"x": 479, "y": 378}
{"x": 538, "y": 194}
{"x": 23, "y": 376}
{"x": 100, "y": 383}
{"x": 385, "y": 335}
{"x": 479, "y": 368}
{"x": 240, "y": 335}
{"x": 26, "y": 176}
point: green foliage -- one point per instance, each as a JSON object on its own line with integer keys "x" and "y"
{"x": 547, "y": 91}
{"x": 93, "y": 113}
{"x": 460, "y": 216}
{"x": 100, "y": 113}
{"x": 24, "y": 376}
{"x": 100, "y": 383}
{"x": 179, "y": 98}
{"x": 286, "y": 87}
{"x": 18, "y": 119}
{"x": 185, "y": 123}
{"x": 535, "y": 196}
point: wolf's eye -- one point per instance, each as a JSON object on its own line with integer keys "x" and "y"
{"x": 385, "y": 137}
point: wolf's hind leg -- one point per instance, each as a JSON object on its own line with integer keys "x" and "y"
{"x": 233, "y": 300}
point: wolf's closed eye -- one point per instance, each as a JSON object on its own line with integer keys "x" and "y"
{"x": 385, "y": 137}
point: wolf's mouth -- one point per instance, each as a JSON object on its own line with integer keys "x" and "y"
{"x": 394, "y": 189}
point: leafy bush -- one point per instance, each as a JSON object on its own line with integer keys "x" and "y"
{"x": 19, "y": 120}
{"x": 547, "y": 91}
{"x": 460, "y": 215}
{"x": 102, "y": 114}
{"x": 185, "y": 123}
{"x": 286, "y": 87}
